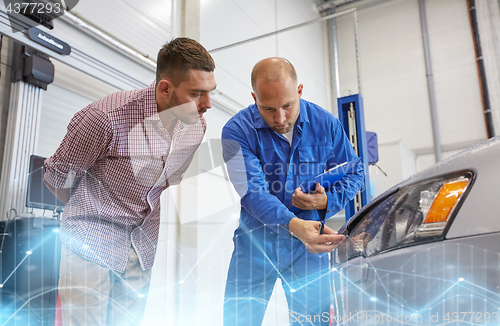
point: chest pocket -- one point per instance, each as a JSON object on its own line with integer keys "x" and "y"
{"x": 316, "y": 154}
{"x": 312, "y": 160}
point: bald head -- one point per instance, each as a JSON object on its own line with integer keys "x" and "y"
{"x": 276, "y": 93}
{"x": 273, "y": 70}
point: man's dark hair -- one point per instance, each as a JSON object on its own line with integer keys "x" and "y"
{"x": 178, "y": 56}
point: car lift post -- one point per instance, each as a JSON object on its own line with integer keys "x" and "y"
{"x": 352, "y": 118}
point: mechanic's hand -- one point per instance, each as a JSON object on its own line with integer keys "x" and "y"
{"x": 315, "y": 200}
{"x": 308, "y": 233}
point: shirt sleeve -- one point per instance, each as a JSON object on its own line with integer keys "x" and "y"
{"x": 344, "y": 190}
{"x": 248, "y": 178}
{"x": 88, "y": 136}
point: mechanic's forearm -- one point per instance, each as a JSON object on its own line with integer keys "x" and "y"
{"x": 294, "y": 226}
{"x": 265, "y": 207}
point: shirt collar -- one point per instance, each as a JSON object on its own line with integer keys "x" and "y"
{"x": 260, "y": 123}
{"x": 151, "y": 107}
{"x": 150, "y": 104}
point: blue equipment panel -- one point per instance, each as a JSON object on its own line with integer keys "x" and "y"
{"x": 372, "y": 147}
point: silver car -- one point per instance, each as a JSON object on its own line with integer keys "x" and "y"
{"x": 427, "y": 251}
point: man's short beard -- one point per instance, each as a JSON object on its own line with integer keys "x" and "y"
{"x": 283, "y": 131}
{"x": 174, "y": 101}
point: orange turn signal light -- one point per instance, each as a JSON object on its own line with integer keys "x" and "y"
{"x": 445, "y": 201}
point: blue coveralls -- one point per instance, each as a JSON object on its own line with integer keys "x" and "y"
{"x": 265, "y": 170}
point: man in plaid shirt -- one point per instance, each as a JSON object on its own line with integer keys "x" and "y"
{"x": 117, "y": 157}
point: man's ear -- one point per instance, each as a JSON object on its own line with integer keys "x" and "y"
{"x": 299, "y": 89}
{"x": 165, "y": 87}
{"x": 254, "y": 98}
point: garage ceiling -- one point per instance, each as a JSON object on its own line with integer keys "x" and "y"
{"x": 143, "y": 27}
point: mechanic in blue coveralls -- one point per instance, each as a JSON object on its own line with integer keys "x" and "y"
{"x": 271, "y": 148}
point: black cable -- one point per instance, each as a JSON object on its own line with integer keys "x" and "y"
{"x": 483, "y": 85}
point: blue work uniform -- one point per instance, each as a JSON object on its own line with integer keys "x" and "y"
{"x": 265, "y": 170}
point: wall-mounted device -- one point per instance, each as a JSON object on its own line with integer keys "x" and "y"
{"x": 31, "y": 67}
{"x": 38, "y": 71}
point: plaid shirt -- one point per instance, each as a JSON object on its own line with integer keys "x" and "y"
{"x": 117, "y": 159}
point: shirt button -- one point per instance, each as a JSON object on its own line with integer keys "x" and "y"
{"x": 285, "y": 225}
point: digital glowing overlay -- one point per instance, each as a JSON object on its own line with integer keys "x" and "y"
{"x": 447, "y": 282}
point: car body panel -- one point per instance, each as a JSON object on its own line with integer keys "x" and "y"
{"x": 453, "y": 279}
{"x": 439, "y": 278}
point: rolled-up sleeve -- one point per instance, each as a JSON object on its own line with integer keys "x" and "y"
{"x": 88, "y": 136}
{"x": 248, "y": 178}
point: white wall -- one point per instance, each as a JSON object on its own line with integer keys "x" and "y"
{"x": 398, "y": 162}
{"x": 145, "y": 26}
{"x": 394, "y": 76}
{"x": 225, "y": 22}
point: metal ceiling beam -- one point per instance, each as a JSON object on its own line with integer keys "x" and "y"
{"x": 317, "y": 20}
{"x": 332, "y": 4}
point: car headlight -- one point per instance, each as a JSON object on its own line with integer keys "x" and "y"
{"x": 417, "y": 213}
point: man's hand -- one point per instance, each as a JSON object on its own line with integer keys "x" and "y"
{"x": 308, "y": 233}
{"x": 316, "y": 200}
